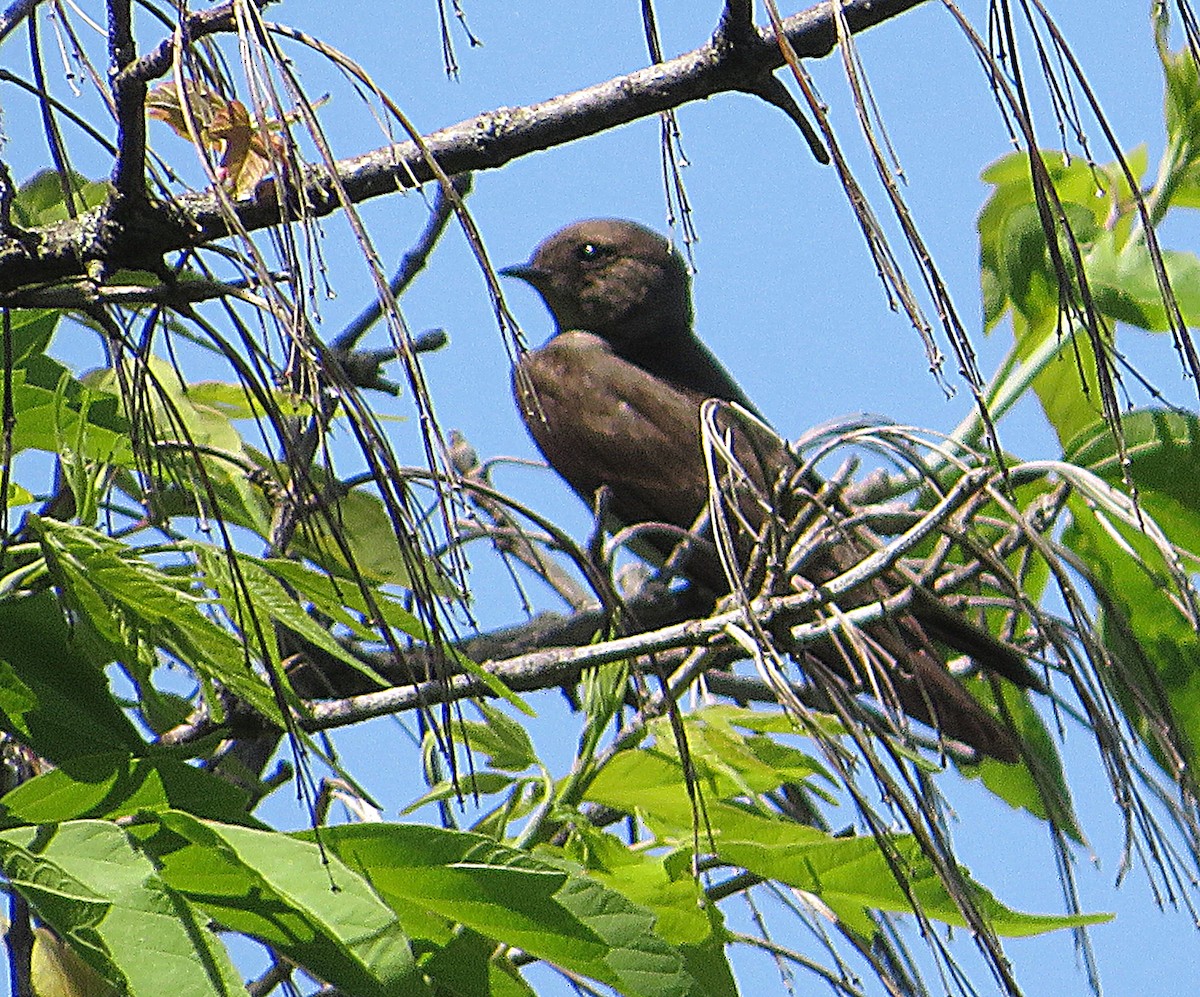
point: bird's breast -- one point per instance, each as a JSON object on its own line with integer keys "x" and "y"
{"x": 602, "y": 421}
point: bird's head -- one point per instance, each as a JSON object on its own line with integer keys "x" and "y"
{"x": 614, "y": 278}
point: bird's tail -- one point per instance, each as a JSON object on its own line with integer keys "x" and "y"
{"x": 898, "y": 664}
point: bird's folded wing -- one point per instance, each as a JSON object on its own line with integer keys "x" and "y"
{"x": 600, "y": 420}
{"x": 603, "y": 421}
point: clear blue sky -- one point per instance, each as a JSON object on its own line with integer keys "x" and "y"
{"x": 785, "y": 293}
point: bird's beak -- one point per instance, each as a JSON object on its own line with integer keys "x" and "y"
{"x": 527, "y": 272}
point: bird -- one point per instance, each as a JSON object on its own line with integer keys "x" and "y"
{"x": 613, "y": 401}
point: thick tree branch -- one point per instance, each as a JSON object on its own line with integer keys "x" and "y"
{"x": 488, "y": 141}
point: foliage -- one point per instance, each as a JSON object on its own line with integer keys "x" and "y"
{"x": 139, "y": 653}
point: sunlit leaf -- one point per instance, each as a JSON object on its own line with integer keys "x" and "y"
{"x": 116, "y": 785}
{"x": 296, "y": 898}
{"x": 850, "y": 874}
{"x": 118, "y": 592}
{"x": 88, "y": 882}
{"x": 42, "y": 199}
{"x": 428, "y": 874}
{"x": 1126, "y": 288}
{"x": 1163, "y": 450}
{"x": 1155, "y": 646}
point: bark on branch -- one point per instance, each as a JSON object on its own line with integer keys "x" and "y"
{"x": 729, "y": 62}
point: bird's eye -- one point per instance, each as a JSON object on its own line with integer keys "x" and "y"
{"x": 589, "y": 252}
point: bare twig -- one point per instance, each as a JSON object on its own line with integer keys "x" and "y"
{"x": 17, "y": 11}
{"x": 157, "y": 62}
{"x": 82, "y": 294}
{"x": 488, "y": 141}
{"x": 58, "y": 150}
{"x": 506, "y": 534}
{"x": 129, "y": 92}
{"x": 412, "y": 264}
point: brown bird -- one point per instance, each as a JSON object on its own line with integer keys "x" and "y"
{"x": 613, "y": 400}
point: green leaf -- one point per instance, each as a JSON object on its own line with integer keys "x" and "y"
{"x": 1047, "y": 797}
{"x": 86, "y": 880}
{"x": 47, "y": 403}
{"x": 666, "y": 886}
{"x": 369, "y": 533}
{"x": 41, "y": 200}
{"x": 1163, "y": 449}
{"x": 738, "y": 763}
{"x": 32, "y": 330}
{"x": 433, "y": 878}
{"x": 119, "y": 592}
{"x": 1067, "y": 388}
{"x": 113, "y": 785}
{"x": 333, "y": 598}
{"x": 1020, "y": 268}
{"x": 1014, "y": 261}
{"x": 328, "y": 598}
{"x": 56, "y": 971}
{"x": 308, "y": 906}
{"x": 1155, "y": 647}
{"x": 477, "y": 783}
{"x": 849, "y": 874}
{"x": 235, "y": 402}
{"x": 53, "y": 698}
{"x": 1181, "y": 97}
{"x": 268, "y": 595}
{"x": 503, "y": 742}
{"x": 1125, "y": 285}
{"x": 167, "y": 400}
{"x": 603, "y": 691}
{"x": 17, "y": 495}
{"x": 658, "y": 882}
{"x": 464, "y": 967}
{"x": 199, "y": 485}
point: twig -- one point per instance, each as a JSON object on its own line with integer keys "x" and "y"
{"x": 157, "y": 62}
{"x": 412, "y": 263}
{"x": 488, "y": 141}
{"x": 84, "y": 294}
{"x": 555, "y": 666}
{"x": 506, "y": 534}
{"x": 129, "y": 94}
{"x": 58, "y": 150}
{"x": 16, "y": 13}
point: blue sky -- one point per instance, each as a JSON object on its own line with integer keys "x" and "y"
{"x": 786, "y": 295}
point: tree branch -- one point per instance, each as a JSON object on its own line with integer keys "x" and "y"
{"x": 551, "y": 666}
{"x": 129, "y": 94}
{"x": 488, "y": 141}
{"x": 157, "y": 62}
{"x": 15, "y": 14}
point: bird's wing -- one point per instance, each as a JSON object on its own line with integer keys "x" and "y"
{"x": 600, "y": 420}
